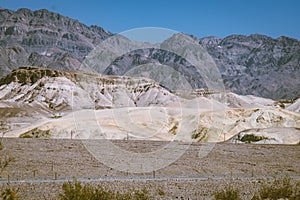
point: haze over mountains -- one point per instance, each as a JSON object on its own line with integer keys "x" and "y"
{"x": 255, "y": 64}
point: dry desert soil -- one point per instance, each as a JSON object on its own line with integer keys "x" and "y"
{"x": 41, "y": 166}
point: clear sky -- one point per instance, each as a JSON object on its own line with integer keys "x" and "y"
{"x": 197, "y": 17}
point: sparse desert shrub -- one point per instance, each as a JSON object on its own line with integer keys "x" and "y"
{"x": 25, "y": 136}
{"x": 228, "y": 194}
{"x": 252, "y": 138}
{"x": 4, "y": 162}
{"x": 200, "y": 134}
{"x": 41, "y": 84}
{"x": 36, "y": 133}
{"x": 9, "y": 194}
{"x": 160, "y": 192}
{"x": 279, "y": 189}
{"x": 137, "y": 195}
{"x": 281, "y": 104}
{"x": 76, "y": 191}
{"x": 174, "y": 129}
{"x": 287, "y": 101}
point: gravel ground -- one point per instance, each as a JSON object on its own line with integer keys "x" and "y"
{"x": 245, "y": 166}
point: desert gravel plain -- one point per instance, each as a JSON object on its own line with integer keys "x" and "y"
{"x": 41, "y": 166}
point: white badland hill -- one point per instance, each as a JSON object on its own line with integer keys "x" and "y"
{"x": 48, "y": 103}
{"x": 295, "y": 106}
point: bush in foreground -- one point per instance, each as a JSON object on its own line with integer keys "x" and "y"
{"x": 9, "y": 194}
{"x": 228, "y": 194}
{"x": 279, "y": 189}
{"x": 252, "y": 138}
{"x": 76, "y": 191}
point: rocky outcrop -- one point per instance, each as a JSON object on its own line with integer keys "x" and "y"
{"x": 237, "y": 121}
{"x": 56, "y": 90}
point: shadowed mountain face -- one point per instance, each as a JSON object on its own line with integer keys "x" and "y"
{"x": 257, "y": 64}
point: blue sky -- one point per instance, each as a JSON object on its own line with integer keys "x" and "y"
{"x": 197, "y": 17}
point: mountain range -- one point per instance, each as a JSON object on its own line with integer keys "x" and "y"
{"x": 249, "y": 65}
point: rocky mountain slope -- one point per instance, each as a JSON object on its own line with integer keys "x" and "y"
{"x": 258, "y": 64}
{"x": 44, "y": 38}
{"x": 255, "y": 64}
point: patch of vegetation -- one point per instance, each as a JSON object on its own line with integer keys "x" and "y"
{"x": 41, "y": 84}
{"x": 74, "y": 191}
{"x": 36, "y": 133}
{"x": 281, "y": 105}
{"x": 287, "y": 101}
{"x": 160, "y": 192}
{"x": 25, "y": 136}
{"x": 4, "y": 127}
{"x": 279, "y": 189}
{"x": 228, "y": 194}
{"x": 282, "y": 102}
{"x": 200, "y": 134}
{"x": 4, "y": 162}
{"x": 9, "y": 194}
{"x": 252, "y": 138}
{"x": 174, "y": 129}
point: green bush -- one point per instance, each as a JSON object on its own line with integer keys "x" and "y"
{"x": 252, "y": 138}
{"x": 25, "y": 136}
{"x": 160, "y": 192}
{"x": 279, "y": 189}
{"x": 9, "y": 194}
{"x": 76, "y": 191}
{"x": 228, "y": 194}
